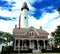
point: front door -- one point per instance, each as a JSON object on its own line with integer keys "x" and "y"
{"x": 32, "y": 44}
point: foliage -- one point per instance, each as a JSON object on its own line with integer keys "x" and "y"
{"x": 56, "y": 35}
{"x": 2, "y": 40}
{"x": 1, "y": 33}
{"x": 5, "y": 37}
{"x": 54, "y": 50}
{"x": 8, "y": 37}
{"x": 8, "y": 48}
{"x": 58, "y": 9}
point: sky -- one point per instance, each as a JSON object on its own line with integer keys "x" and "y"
{"x": 41, "y": 13}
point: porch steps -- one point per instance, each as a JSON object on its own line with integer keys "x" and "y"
{"x": 37, "y": 50}
{"x": 33, "y": 53}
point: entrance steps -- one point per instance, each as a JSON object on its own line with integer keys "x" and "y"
{"x": 36, "y": 51}
{"x": 32, "y": 53}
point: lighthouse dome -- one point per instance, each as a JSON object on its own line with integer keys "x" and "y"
{"x": 24, "y": 6}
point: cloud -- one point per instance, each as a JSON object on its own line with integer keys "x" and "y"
{"x": 49, "y": 9}
{"x": 5, "y": 5}
{"x": 48, "y": 21}
{"x": 43, "y": 6}
{"x": 7, "y": 26}
{"x": 41, "y": 13}
{"x": 15, "y": 7}
{"x": 7, "y": 18}
{"x": 32, "y": 2}
{"x": 6, "y": 13}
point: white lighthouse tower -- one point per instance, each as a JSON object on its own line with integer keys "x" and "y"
{"x": 24, "y": 15}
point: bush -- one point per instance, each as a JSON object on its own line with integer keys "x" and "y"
{"x": 53, "y": 50}
{"x": 7, "y": 48}
{"x": 56, "y": 49}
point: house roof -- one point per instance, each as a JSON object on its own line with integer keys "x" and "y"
{"x": 25, "y": 30}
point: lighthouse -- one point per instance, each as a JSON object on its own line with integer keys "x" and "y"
{"x": 24, "y": 16}
{"x": 27, "y": 38}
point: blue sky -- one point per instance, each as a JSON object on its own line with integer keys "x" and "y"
{"x": 41, "y": 13}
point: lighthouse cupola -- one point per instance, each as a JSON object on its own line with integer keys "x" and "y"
{"x": 25, "y": 6}
{"x": 24, "y": 15}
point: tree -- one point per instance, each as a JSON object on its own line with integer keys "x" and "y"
{"x": 2, "y": 40}
{"x": 5, "y": 37}
{"x": 58, "y": 9}
{"x": 8, "y": 37}
{"x": 56, "y": 35}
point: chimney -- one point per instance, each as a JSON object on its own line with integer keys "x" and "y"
{"x": 41, "y": 27}
{"x": 15, "y": 26}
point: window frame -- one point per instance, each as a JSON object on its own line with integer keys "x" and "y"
{"x": 31, "y": 33}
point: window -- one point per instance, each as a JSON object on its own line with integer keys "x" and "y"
{"x": 31, "y": 33}
{"x": 25, "y": 17}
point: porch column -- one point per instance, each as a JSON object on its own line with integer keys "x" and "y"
{"x": 30, "y": 44}
{"x": 19, "y": 44}
{"x": 15, "y": 42}
{"x": 37, "y": 45}
{"x": 44, "y": 43}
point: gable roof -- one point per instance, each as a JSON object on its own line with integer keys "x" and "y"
{"x": 33, "y": 29}
{"x": 23, "y": 31}
{"x": 42, "y": 31}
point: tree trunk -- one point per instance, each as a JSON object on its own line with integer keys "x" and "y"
{"x": 7, "y": 42}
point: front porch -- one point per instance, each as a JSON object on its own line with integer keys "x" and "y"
{"x": 26, "y": 44}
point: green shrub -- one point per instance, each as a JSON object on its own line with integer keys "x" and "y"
{"x": 7, "y": 48}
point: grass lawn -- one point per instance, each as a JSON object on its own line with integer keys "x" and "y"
{"x": 42, "y": 53}
{"x": 34, "y": 53}
{"x": 50, "y": 53}
{"x": 39, "y": 53}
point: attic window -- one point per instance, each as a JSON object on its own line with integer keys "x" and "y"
{"x": 31, "y": 33}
